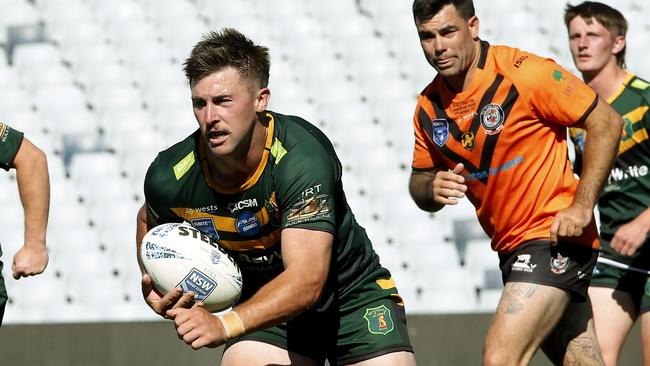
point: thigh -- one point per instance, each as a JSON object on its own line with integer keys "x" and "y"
{"x": 525, "y": 315}
{"x": 573, "y": 341}
{"x": 401, "y": 358}
{"x": 614, "y": 314}
{"x": 254, "y": 353}
{"x": 644, "y": 320}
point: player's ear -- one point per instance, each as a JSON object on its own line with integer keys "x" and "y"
{"x": 473, "y": 26}
{"x": 618, "y": 45}
{"x": 262, "y": 99}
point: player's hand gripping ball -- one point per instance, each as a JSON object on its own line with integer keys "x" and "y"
{"x": 178, "y": 255}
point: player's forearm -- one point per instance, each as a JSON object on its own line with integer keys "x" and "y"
{"x": 34, "y": 190}
{"x": 421, "y": 190}
{"x": 601, "y": 147}
{"x": 286, "y": 296}
{"x": 141, "y": 230}
{"x": 643, "y": 220}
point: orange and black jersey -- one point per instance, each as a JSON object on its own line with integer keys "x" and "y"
{"x": 508, "y": 128}
{"x": 10, "y": 141}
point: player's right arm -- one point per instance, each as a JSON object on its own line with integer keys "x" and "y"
{"x": 156, "y": 301}
{"x": 432, "y": 185}
{"x": 34, "y": 189}
{"x": 431, "y": 190}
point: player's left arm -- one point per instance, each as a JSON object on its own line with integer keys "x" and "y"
{"x": 306, "y": 255}
{"x": 629, "y": 237}
{"x": 34, "y": 190}
{"x": 603, "y": 126}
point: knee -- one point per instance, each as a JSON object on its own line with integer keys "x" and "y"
{"x": 502, "y": 356}
{"x": 493, "y": 356}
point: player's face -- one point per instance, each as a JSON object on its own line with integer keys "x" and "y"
{"x": 448, "y": 41}
{"x": 226, "y": 108}
{"x": 592, "y": 45}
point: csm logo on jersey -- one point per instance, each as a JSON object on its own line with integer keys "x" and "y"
{"x": 236, "y": 206}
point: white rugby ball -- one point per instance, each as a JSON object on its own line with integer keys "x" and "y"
{"x": 178, "y": 255}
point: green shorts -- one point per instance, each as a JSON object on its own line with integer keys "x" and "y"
{"x": 634, "y": 283}
{"x": 365, "y": 322}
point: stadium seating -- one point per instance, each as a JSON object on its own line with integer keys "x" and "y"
{"x": 99, "y": 86}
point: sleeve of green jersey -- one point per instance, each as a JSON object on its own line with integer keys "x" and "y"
{"x": 157, "y": 193}
{"x": 10, "y": 141}
{"x": 306, "y": 184}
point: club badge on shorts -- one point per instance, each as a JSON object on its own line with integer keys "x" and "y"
{"x": 559, "y": 264}
{"x": 492, "y": 118}
{"x": 379, "y": 320}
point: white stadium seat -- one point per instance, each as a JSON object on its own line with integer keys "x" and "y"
{"x": 111, "y": 73}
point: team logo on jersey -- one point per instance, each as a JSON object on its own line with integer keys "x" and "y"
{"x": 235, "y": 206}
{"x": 467, "y": 140}
{"x": 492, "y": 118}
{"x": 559, "y": 264}
{"x": 440, "y": 131}
{"x": 248, "y": 224}
{"x": 206, "y": 226}
{"x": 379, "y": 320}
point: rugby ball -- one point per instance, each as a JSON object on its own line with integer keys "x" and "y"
{"x": 179, "y": 255}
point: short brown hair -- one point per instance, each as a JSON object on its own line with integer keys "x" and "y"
{"x": 609, "y": 17}
{"x": 423, "y": 10}
{"x": 228, "y": 48}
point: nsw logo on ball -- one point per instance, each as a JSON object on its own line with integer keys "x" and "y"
{"x": 199, "y": 283}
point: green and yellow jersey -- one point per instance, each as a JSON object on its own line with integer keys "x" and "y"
{"x": 10, "y": 141}
{"x": 297, "y": 185}
{"x": 627, "y": 190}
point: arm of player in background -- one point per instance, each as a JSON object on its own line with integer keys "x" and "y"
{"x": 629, "y": 237}
{"x": 431, "y": 190}
{"x": 603, "y": 126}
{"x": 173, "y": 299}
{"x": 34, "y": 189}
{"x": 306, "y": 255}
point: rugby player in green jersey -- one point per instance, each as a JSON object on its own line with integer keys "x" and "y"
{"x": 267, "y": 187}
{"x": 34, "y": 189}
{"x": 619, "y": 292}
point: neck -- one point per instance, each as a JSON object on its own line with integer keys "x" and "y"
{"x": 234, "y": 170}
{"x": 460, "y": 83}
{"x": 606, "y": 81}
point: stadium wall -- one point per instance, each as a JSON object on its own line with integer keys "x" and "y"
{"x": 449, "y": 340}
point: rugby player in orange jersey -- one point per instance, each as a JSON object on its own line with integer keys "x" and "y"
{"x": 492, "y": 126}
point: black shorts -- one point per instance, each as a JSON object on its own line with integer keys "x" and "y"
{"x": 567, "y": 266}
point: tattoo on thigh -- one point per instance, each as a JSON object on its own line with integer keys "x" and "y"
{"x": 515, "y": 293}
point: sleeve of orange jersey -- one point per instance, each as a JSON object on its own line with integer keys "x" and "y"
{"x": 555, "y": 93}
{"x": 424, "y": 153}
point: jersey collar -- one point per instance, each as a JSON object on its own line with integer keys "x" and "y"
{"x": 270, "y": 132}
